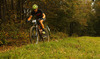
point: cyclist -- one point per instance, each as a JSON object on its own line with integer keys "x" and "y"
{"x": 40, "y": 16}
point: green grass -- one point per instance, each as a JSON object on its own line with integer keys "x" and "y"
{"x": 70, "y": 48}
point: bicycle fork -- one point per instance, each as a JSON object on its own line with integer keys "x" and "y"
{"x": 37, "y": 34}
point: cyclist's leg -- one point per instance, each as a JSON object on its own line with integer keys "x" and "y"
{"x": 41, "y": 22}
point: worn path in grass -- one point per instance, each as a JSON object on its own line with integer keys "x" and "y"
{"x": 70, "y": 48}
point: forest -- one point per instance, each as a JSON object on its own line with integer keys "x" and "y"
{"x": 71, "y": 17}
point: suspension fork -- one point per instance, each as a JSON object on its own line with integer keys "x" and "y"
{"x": 37, "y": 33}
{"x": 36, "y": 29}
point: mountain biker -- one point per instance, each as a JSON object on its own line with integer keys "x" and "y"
{"x": 40, "y": 16}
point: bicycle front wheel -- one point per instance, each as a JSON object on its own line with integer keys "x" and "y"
{"x": 34, "y": 36}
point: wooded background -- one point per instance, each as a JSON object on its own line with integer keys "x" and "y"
{"x": 73, "y": 17}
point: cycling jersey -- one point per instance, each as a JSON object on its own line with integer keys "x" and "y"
{"x": 38, "y": 14}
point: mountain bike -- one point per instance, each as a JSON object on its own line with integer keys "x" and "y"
{"x": 36, "y": 34}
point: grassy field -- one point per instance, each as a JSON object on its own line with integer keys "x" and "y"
{"x": 68, "y": 48}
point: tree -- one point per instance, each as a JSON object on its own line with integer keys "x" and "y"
{"x": 97, "y": 19}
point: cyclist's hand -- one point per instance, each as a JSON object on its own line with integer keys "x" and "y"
{"x": 27, "y": 21}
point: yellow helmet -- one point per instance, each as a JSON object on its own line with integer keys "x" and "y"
{"x": 35, "y": 6}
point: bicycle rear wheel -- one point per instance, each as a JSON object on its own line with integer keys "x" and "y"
{"x": 46, "y": 36}
{"x": 34, "y": 36}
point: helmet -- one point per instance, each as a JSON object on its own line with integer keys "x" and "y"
{"x": 35, "y": 6}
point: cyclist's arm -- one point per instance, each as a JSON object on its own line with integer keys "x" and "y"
{"x": 44, "y": 16}
{"x": 29, "y": 18}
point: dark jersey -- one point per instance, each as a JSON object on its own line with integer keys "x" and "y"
{"x": 38, "y": 14}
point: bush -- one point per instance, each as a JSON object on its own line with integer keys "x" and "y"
{"x": 74, "y": 35}
{"x": 3, "y": 42}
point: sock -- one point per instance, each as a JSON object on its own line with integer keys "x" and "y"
{"x": 43, "y": 29}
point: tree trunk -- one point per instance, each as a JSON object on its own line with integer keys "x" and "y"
{"x": 12, "y": 6}
{"x": 0, "y": 10}
{"x": 3, "y": 13}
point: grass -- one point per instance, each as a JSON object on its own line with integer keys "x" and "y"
{"x": 70, "y": 48}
